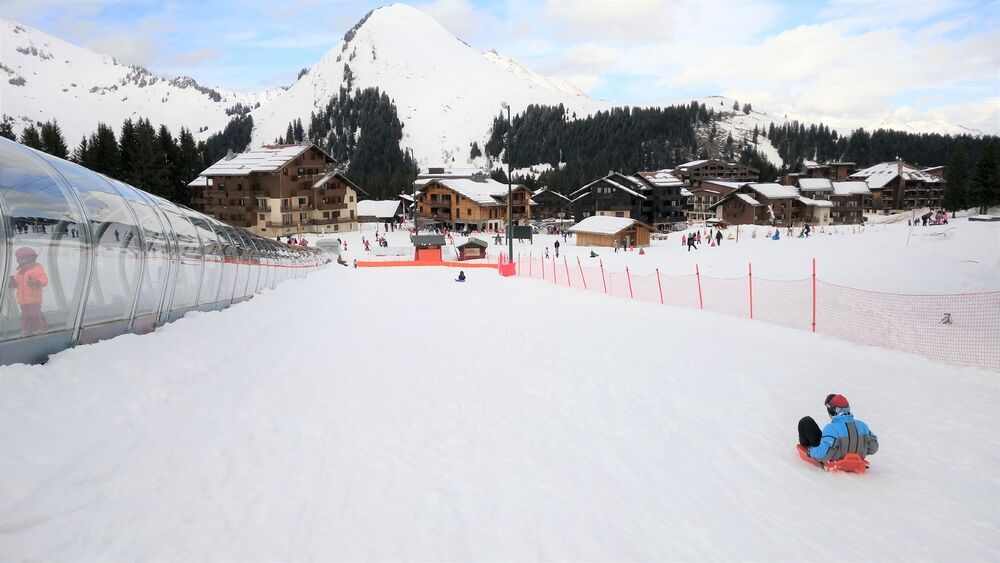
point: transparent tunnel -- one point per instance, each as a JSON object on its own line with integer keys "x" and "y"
{"x": 84, "y": 257}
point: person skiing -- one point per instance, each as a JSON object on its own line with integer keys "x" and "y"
{"x": 807, "y": 230}
{"x": 691, "y": 244}
{"x": 843, "y": 435}
{"x": 546, "y": 252}
{"x": 461, "y": 276}
{"x": 556, "y": 246}
{"x": 28, "y": 282}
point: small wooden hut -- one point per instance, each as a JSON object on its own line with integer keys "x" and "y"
{"x": 472, "y": 249}
{"x": 428, "y": 247}
{"x": 602, "y": 230}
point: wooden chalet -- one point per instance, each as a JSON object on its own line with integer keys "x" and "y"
{"x": 607, "y": 231}
{"x": 472, "y": 249}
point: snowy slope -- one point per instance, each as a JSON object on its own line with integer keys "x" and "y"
{"x": 446, "y": 92}
{"x": 662, "y": 440}
{"x": 43, "y": 77}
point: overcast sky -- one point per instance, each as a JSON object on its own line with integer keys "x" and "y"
{"x": 846, "y": 63}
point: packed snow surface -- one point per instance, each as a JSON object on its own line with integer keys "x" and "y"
{"x": 395, "y": 414}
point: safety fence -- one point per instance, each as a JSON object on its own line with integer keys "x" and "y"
{"x": 960, "y": 328}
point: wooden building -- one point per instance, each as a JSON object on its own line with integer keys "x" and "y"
{"x": 666, "y": 198}
{"x": 472, "y": 249}
{"x": 279, "y": 190}
{"x": 697, "y": 171}
{"x": 428, "y": 247}
{"x": 704, "y": 196}
{"x": 550, "y": 204}
{"x": 900, "y": 186}
{"x": 606, "y": 231}
{"x": 761, "y": 204}
{"x": 472, "y": 204}
{"x": 380, "y": 211}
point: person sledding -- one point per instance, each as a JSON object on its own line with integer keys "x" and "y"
{"x": 843, "y": 444}
{"x": 461, "y": 276}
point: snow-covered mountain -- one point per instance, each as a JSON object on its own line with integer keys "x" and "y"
{"x": 446, "y": 92}
{"x": 43, "y": 77}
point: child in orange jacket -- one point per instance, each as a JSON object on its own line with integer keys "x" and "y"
{"x": 28, "y": 282}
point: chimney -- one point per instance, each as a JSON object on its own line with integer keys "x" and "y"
{"x": 230, "y": 155}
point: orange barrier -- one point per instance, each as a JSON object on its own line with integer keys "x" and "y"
{"x": 412, "y": 263}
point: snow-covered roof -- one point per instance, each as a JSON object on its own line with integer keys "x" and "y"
{"x": 692, "y": 163}
{"x": 881, "y": 174}
{"x": 486, "y": 192}
{"x": 407, "y": 197}
{"x": 724, "y": 183}
{"x": 585, "y": 189}
{"x": 602, "y": 225}
{"x": 268, "y": 158}
{"x": 851, "y": 188}
{"x": 378, "y": 208}
{"x": 747, "y": 198}
{"x": 199, "y": 182}
{"x": 546, "y": 190}
{"x": 815, "y": 184}
{"x": 330, "y": 175}
{"x": 815, "y": 202}
{"x": 774, "y": 191}
{"x": 685, "y": 192}
{"x": 662, "y": 178}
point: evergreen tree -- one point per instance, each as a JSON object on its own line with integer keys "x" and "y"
{"x": 126, "y": 150}
{"x": 31, "y": 138}
{"x": 300, "y": 133}
{"x": 290, "y": 135}
{"x": 475, "y": 152}
{"x": 81, "y": 154}
{"x": 190, "y": 159}
{"x": 957, "y": 182}
{"x": 984, "y": 186}
{"x": 756, "y": 132}
{"x": 7, "y": 127}
{"x": 53, "y": 141}
{"x": 736, "y": 105}
{"x": 105, "y": 156}
{"x": 176, "y": 188}
{"x": 145, "y": 162}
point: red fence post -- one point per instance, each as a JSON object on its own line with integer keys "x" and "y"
{"x": 659, "y": 285}
{"x": 582, "y": 277}
{"x": 629, "y": 276}
{"x": 603, "y": 279}
{"x": 814, "y": 296}
{"x": 569, "y": 282}
{"x": 697, "y": 273}
{"x": 750, "y": 277}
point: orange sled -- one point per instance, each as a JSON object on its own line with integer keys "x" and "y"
{"x": 852, "y": 463}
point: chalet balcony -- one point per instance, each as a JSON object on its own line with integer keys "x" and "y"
{"x": 271, "y": 225}
{"x": 214, "y": 193}
{"x": 331, "y": 206}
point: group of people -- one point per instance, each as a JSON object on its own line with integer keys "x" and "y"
{"x": 381, "y": 241}
{"x": 555, "y": 245}
{"x": 939, "y": 217}
{"x": 292, "y": 241}
{"x": 692, "y": 240}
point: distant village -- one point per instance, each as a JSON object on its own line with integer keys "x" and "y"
{"x": 283, "y": 190}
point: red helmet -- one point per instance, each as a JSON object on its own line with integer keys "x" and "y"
{"x": 25, "y": 252}
{"x": 837, "y": 404}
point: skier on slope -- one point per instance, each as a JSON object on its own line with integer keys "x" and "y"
{"x": 843, "y": 435}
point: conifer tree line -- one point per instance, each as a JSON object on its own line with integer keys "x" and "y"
{"x": 362, "y": 132}
{"x": 634, "y": 139}
{"x": 143, "y": 155}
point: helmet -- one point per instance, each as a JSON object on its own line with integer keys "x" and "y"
{"x": 25, "y": 252}
{"x": 837, "y": 404}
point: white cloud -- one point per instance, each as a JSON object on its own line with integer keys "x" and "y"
{"x": 459, "y": 17}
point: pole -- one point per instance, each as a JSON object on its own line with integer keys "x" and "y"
{"x": 569, "y": 282}
{"x": 582, "y": 277}
{"x": 697, "y": 273}
{"x": 510, "y": 200}
{"x": 629, "y": 277}
{"x": 750, "y": 277}
{"x": 603, "y": 279}
{"x": 814, "y": 296}
{"x": 659, "y": 285}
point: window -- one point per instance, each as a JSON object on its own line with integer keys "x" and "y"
{"x": 302, "y": 201}
{"x": 352, "y": 214}
{"x": 239, "y": 187}
{"x": 262, "y": 216}
{"x": 301, "y": 172}
{"x": 619, "y": 213}
{"x": 326, "y": 214}
{"x": 222, "y": 185}
{"x": 352, "y": 199}
{"x": 336, "y": 227}
{"x": 284, "y": 171}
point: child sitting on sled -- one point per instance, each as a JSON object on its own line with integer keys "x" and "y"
{"x": 843, "y": 435}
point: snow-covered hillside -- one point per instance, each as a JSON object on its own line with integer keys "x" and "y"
{"x": 446, "y": 92}
{"x": 43, "y": 77}
{"x": 590, "y": 429}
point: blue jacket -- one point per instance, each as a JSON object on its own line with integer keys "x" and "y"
{"x": 842, "y": 436}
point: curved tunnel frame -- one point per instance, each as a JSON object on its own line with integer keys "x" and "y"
{"x": 118, "y": 260}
